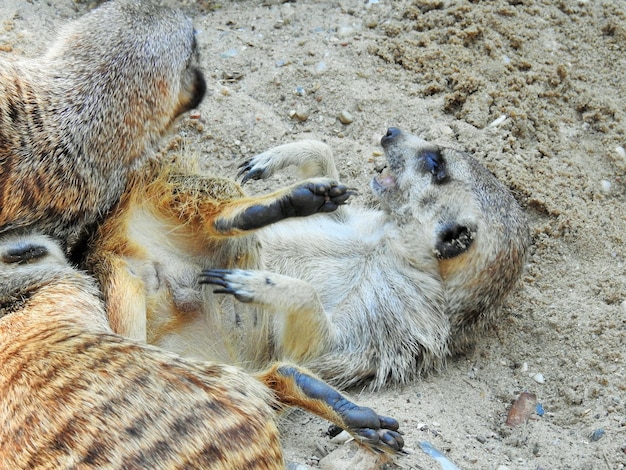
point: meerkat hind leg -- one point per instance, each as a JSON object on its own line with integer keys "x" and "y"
{"x": 303, "y": 330}
{"x": 311, "y": 157}
{"x": 296, "y": 387}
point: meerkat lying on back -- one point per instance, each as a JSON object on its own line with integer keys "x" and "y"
{"x": 380, "y": 296}
{"x": 361, "y": 295}
{"x": 76, "y": 121}
{"x": 74, "y": 394}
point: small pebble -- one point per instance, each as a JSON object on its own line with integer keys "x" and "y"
{"x": 300, "y": 91}
{"x": 605, "y": 186}
{"x": 620, "y": 151}
{"x": 539, "y": 378}
{"x": 521, "y": 409}
{"x": 498, "y": 121}
{"x": 229, "y": 53}
{"x": 341, "y": 438}
{"x": 481, "y": 439}
{"x": 300, "y": 114}
{"x": 524, "y": 367}
{"x": 345, "y": 117}
{"x": 320, "y": 68}
{"x": 345, "y": 31}
{"x": 596, "y": 435}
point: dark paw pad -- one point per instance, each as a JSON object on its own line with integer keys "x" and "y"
{"x": 313, "y": 197}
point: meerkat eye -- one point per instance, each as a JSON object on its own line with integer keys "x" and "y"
{"x": 431, "y": 161}
{"x": 24, "y": 253}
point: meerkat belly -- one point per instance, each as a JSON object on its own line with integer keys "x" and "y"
{"x": 181, "y": 317}
{"x": 320, "y": 249}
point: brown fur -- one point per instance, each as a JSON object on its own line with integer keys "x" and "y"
{"x": 76, "y": 121}
{"x": 74, "y": 394}
{"x": 360, "y": 296}
{"x": 75, "y": 124}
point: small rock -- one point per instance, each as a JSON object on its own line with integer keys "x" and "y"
{"x": 539, "y": 378}
{"x": 605, "y": 186}
{"x": 596, "y": 435}
{"x": 229, "y": 53}
{"x": 481, "y": 439}
{"x": 345, "y": 117}
{"x": 320, "y": 68}
{"x": 521, "y": 409}
{"x": 498, "y": 121}
{"x": 345, "y": 31}
{"x": 299, "y": 114}
{"x": 341, "y": 438}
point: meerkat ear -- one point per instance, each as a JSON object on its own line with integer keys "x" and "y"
{"x": 453, "y": 239}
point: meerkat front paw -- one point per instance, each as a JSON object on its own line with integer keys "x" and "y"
{"x": 301, "y": 200}
{"x": 316, "y": 195}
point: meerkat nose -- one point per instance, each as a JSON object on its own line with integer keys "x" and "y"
{"x": 391, "y": 135}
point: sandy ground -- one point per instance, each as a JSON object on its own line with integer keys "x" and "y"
{"x": 535, "y": 90}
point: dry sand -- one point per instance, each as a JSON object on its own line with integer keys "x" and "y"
{"x": 536, "y": 91}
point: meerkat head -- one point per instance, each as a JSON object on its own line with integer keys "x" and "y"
{"x": 126, "y": 70}
{"x": 478, "y": 233}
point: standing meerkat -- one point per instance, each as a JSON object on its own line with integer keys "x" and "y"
{"x": 75, "y": 395}
{"x": 77, "y": 120}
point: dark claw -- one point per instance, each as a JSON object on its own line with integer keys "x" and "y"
{"x": 217, "y": 277}
{"x": 392, "y": 439}
{"x": 389, "y": 423}
{"x": 245, "y": 169}
{"x": 333, "y": 430}
{"x": 214, "y": 276}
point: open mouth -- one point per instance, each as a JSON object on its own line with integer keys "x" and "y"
{"x": 385, "y": 181}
